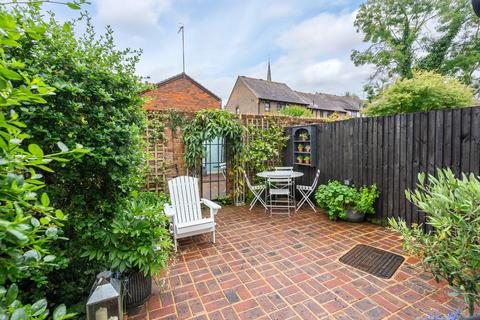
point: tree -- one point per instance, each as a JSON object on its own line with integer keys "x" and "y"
{"x": 425, "y": 91}
{"x": 440, "y": 35}
{"x": 296, "y": 111}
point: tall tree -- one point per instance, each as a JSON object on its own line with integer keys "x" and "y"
{"x": 438, "y": 35}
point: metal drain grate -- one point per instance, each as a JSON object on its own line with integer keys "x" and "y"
{"x": 375, "y": 261}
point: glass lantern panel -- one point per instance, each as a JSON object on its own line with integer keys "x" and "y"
{"x": 105, "y": 310}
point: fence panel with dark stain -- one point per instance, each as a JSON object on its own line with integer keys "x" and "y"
{"x": 391, "y": 151}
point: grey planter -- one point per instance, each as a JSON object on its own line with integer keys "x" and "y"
{"x": 138, "y": 289}
{"x": 354, "y": 216}
{"x": 476, "y": 7}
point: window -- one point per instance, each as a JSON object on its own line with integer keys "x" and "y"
{"x": 267, "y": 106}
{"x": 237, "y": 110}
{"x": 280, "y": 106}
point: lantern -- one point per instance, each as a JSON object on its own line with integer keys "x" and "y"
{"x": 476, "y": 7}
{"x": 105, "y": 301}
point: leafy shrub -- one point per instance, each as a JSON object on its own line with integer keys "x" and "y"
{"x": 451, "y": 249}
{"x": 337, "y": 198}
{"x": 140, "y": 238}
{"x": 97, "y": 104}
{"x": 12, "y": 308}
{"x": 296, "y": 111}
{"x": 424, "y": 92}
{"x": 29, "y": 224}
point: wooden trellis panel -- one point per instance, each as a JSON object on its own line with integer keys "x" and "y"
{"x": 156, "y": 178}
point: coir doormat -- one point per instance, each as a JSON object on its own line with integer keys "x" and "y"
{"x": 372, "y": 260}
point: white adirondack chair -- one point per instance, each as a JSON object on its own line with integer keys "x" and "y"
{"x": 185, "y": 211}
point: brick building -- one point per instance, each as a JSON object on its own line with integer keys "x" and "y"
{"x": 181, "y": 92}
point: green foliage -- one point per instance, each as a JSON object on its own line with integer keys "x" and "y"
{"x": 139, "y": 238}
{"x": 97, "y": 103}
{"x": 366, "y": 199}
{"x": 12, "y": 308}
{"x": 401, "y": 38}
{"x": 452, "y": 249}
{"x": 425, "y": 91}
{"x": 29, "y": 224}
{"x": 159, "y": 121}
{"x": 263, "y": 145}
{"x": 206, "y": 126}
{"x": 337, "y": 198}
{"x": 296, "y": 111}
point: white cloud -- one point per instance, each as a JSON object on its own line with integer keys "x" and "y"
{"x": 131, "y": 16}
{"x": 325, "y": 33}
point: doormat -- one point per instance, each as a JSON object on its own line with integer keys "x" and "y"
{"x": 372, "y": 260}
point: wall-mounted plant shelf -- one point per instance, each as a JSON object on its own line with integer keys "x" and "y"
{"x": 304, "y": 146}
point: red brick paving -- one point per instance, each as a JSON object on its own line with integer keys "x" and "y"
{"x": 278, "y": 267}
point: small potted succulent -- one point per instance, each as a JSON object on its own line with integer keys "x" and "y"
{"x": 299, "y": 159}
{"x": 308, "y": 148}
{"x": 303, "y": 136}
{"x": 300, "y": 147}
{"x": 306, "y": 160}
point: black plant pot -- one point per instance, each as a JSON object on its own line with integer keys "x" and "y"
{"x": 476, "y": 7}
{"x": 354, "y": 216}
{"x": 138, "y": 289}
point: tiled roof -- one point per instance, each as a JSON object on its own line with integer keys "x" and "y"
{"x": 330, "y": 102}
{"x": 270, "y": 90}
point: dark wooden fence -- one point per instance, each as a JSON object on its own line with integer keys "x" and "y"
{"x": 391, "y": 151}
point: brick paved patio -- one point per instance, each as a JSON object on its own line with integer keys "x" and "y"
{"x": 277, "y": 267}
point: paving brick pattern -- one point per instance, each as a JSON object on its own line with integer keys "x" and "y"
{"x": 278, "y": 267}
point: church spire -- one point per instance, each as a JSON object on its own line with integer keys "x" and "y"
{"x": 269, "y": 72}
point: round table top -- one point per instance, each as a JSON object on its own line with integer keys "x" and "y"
{"x": 280, "y": 174}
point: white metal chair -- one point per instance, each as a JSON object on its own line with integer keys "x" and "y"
{"x": 280, "y": 195}
{"x": 283, "y": 168}
{"x": 257, "y": 191}
{"x": 185, "y": 211}
{"x": 306, "y": 192}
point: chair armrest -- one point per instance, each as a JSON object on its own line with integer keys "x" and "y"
{"x": 211, "y": 204}
{"x": 214, "y": 207}
{"x": 169, "y": 212}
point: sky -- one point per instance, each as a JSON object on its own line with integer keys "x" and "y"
{"x": 308, "y": 42}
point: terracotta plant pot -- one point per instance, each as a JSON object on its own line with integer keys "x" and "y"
{"x": 307, "y": 161}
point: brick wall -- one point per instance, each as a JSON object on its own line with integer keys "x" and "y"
{"x": 165, "y": 158}
{"x": 180, "y": 93}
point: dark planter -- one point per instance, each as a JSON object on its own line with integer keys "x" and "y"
{"x": 354, "y": 216}
{"x": 137, "y": 289}
{"x": 476, "y": 7}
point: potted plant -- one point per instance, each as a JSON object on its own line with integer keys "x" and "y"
{"x": 346, "y": 202}
{"x": 300, "y": 147}
{"x": 299, "y": 159}
{"x": 139, "y": 244}
{"x": 308, "y": 148}
{"x": 303, "y": 136}
{"x": 306, "y": 160}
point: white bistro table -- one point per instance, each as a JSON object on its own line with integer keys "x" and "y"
{"x": 282, "y": 174}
